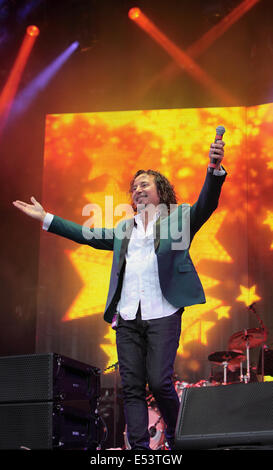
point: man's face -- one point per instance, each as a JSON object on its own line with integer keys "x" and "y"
{"x": 144, "y": 190}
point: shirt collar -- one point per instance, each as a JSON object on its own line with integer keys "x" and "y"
{"x": 156, "y": 216}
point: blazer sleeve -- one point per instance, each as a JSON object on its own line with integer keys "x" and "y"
{"x": 102, "y": 239}
{"x": 207, "y": 201}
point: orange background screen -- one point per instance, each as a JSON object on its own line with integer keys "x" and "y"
{"x": 91, "y": 155}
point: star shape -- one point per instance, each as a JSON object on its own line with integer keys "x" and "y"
{"x": 223, "y": 311}
{"x": 110, "y": 349}
{"x": 205, "y": 244}
{"x": 93, "y": 267}
{"x": 248, "y": 295}
{"x": 195, "y": 326}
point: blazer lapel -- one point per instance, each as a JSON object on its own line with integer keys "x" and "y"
{"x": 157, "y": 233}
{"x": 125, "y": 241}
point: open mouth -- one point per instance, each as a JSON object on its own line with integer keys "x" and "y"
{"x": 143, "y": 196}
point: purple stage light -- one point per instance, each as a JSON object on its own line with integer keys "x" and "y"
{"x": 28, "y": 95}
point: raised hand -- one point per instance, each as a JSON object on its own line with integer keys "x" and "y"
{"x": 217, "y": 153}
{"x": 34, "y": 210}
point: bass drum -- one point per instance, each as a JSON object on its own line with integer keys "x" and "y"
{"x": 156, "y": 430}
{"x": 180, "y": 386}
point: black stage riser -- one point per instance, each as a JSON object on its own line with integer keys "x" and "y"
{"x": 225, "y": 416}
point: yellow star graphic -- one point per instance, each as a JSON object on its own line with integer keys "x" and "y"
{"x": 205, "y": 244}
{"x": 248, "y": 295}
{"x": 93, "y": 267}
{"x": 208, "y": 282}
{"x": 194, "y": 327}
{"x": 110, "y": 349}
{"x": 223, "y": 311}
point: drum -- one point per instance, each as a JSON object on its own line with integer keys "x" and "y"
{"x": 203, "y": 383}
{"x": 179, "y": 387}
{"x": 156, "y": 430}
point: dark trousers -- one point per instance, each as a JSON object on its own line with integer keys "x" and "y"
{"x": 146, "y": 354}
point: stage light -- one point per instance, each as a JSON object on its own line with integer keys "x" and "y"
{"x": 204, "y": 42}
{"x": 181, "y": 58}
{"x": 220, "y": 28}
{"x": 134, "y": 13}
{"x": 10, "y": 89}
{"x": 33, "y": 30}
{"x": 39, "y": 83}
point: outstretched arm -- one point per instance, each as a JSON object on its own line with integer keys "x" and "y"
{"x": 102, "y": 239}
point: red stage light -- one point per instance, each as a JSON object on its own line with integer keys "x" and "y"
{"x": 9, "y": 91}
{"x": 203, "y": 43}
{"x": 33, "y": 30}
{"x": 134, "y": 13}
{"x": 179, "y": 56}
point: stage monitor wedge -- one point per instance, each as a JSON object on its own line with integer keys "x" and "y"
{"x": 225, "y": 416}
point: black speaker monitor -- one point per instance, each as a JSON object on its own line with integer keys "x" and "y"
{"x": 225, "y": 416}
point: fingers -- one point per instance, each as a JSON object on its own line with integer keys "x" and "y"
{"x": 27, "y": 208}
{"x": 34, "y": 210}
{"x": 20, "y": 204}
{"x": 217, "y": 150}
{"x": 35, "y": 203}
{"x": 218, "y": 146}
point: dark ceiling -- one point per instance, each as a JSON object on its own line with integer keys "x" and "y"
{"x": 116, "y": 59}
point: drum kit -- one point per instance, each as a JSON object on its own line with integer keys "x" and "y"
{"x": 238, "y": 352}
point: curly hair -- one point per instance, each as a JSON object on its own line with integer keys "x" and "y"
{"x": 164, "y": 188}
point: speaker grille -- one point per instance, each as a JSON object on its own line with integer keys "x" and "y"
{"x": 26, "y": 378}
{"x": 222, "y": 414}
{"x": 26, "y": 425}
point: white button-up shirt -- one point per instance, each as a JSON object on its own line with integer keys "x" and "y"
{"x": 141, "y": 279}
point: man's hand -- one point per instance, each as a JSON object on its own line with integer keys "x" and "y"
{"x": 217, "y": 152}
{"x": 34, "y": 210}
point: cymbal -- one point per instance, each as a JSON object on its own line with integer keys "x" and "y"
{"x": 254, "y": 336}
{"x": 219, "y": 357}
{"x": 237, "y": 360}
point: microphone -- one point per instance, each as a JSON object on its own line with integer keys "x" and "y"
{"x": 220, "y": 130}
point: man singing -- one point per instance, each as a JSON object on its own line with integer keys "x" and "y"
{"x": 152, "y": 280}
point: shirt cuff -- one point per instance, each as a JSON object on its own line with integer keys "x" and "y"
{"x": 220, "y": 172}
{"x": 48, "y": 219}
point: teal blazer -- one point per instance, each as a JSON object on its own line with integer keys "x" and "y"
{"x": 178, "y": 278}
